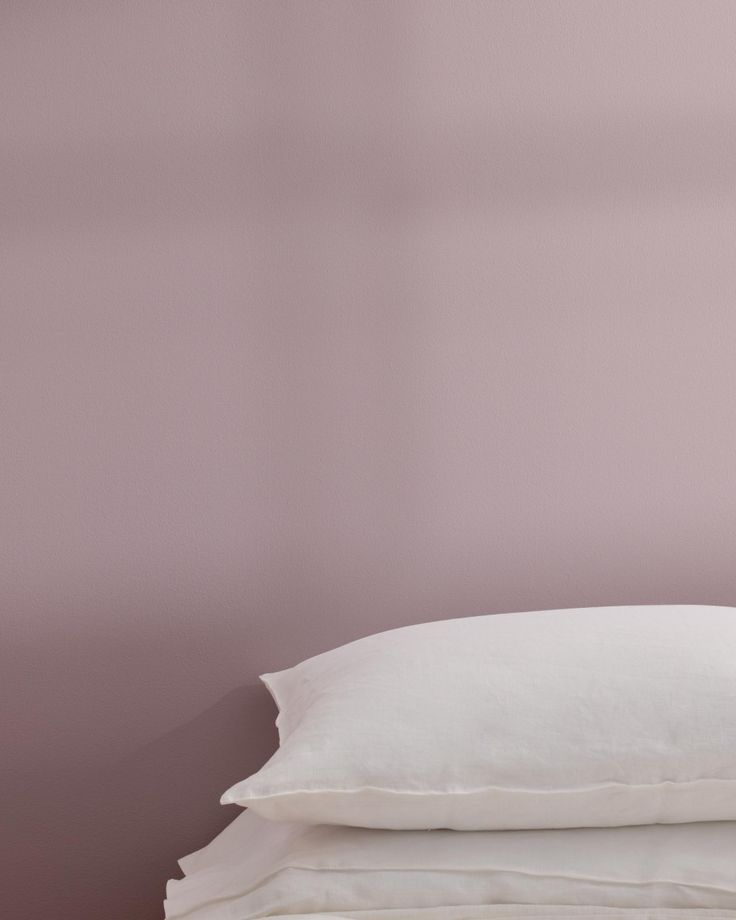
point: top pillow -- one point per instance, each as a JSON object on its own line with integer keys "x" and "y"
{"x": 570, "y": 718}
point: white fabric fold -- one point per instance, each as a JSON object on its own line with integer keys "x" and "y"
{"x": 257, "y": 868}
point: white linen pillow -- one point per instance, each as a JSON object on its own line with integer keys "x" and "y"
{"x": 258, "y": 868}
{"x": 572, "y": 718}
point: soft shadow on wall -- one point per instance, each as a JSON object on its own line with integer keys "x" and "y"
{"x": 102, "y": 843}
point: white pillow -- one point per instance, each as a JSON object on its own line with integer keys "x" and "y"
{"x": 258, "y": 868}
{"x": 571, "y": 718}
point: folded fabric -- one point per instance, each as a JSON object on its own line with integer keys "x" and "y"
{"x": 574, "y": 718}
{"x": 257, "y": 868}
{"x": 519, "y": 912}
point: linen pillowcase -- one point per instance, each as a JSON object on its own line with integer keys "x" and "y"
{"x": 257, "y": 868}
{"x": 572, "y": 718}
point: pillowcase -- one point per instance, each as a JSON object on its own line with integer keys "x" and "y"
{"x": 257, "y": 868}
{"x": 572, "y": 718}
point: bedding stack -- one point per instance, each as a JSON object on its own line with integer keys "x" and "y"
{"x": 572, "y": 763}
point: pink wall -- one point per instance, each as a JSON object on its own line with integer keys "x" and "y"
{"x": 325, "y": 317}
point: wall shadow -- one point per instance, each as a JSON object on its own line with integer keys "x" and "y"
{"x": 101, "y": 844}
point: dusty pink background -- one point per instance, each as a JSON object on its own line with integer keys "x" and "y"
{"x": 320, "y": 318}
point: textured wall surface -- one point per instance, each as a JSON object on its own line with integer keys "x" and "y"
{"x": 320, "y": 318}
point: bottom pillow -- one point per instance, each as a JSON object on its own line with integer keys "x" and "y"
{"x": 520, "y": 912}
{"x": 256, "y": 868}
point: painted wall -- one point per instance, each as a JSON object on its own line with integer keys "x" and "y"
{"x": 325, "y": 317}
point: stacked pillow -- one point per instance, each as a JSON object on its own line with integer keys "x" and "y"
{"x": 259, "y": 868}
{"x": 589, "y": 718}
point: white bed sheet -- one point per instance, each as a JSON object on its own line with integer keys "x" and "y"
{"x": 257, "y": 868}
